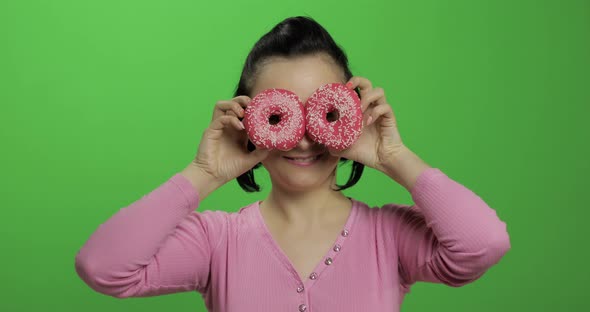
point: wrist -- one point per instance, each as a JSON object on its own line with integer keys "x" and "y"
{"x": 203, "y": 182}
{"x": 404, "y": 167}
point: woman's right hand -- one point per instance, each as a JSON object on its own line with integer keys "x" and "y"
{"x": 223, "y": 154}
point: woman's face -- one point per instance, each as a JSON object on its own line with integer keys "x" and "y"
{"x": 308, "y": 165}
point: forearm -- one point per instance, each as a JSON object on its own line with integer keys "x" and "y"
{"x": 111, "y": 259}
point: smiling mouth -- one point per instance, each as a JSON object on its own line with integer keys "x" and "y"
{"x": 304, "y": 160}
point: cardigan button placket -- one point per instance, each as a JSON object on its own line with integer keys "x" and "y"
{"x": 302, "y": 307}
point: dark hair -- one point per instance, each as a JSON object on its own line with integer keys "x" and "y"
{"x": 293, "y": 37}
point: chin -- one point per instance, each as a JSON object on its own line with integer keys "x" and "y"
{"x": 302, "y": 180}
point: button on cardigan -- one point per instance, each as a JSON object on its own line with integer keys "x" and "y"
{"x": 160, "y": 245}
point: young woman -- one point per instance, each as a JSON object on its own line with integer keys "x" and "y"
{"x": 306, "y": 247}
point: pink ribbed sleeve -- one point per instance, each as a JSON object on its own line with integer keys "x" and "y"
{"x": 450, "y": 235}
{"x": 157, "y": 245}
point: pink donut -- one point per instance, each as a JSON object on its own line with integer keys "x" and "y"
{"x": 274, "y": 119}
{"x": 333, "y": 116}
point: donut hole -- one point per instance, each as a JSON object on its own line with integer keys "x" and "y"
{"x": 274, "y": 119}
{"x": 332, "y": 115}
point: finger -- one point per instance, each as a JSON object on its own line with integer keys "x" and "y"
{"x": 237, "y": 104}
{"x": 382, "y": 110}
{"x": 232, "y": 113}
{"x": 230, "y": 106}
{"x": 257, "y": 156}
{"x": 362, "y": 83}
{"x": 243, "y": 100}
{"x": 367, "y": 119}
{"x": 372, "y": 97}
{"x": 390, "y": 112}
{"x": 225, "y": 121}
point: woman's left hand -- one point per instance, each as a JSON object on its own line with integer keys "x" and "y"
{"x": 380, "y": 141}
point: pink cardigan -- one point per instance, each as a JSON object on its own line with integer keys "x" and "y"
{"x": 160, "y": 245}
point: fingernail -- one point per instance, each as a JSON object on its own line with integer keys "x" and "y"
{"x": 369, "y": 120}
{"x": 349, "y": 85}
{"x": 242, "y": 125}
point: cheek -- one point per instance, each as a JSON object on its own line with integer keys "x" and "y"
{"x": 271, "y": 160}
{"x": 331, "y": 162}
{"x": 332, "y": 159}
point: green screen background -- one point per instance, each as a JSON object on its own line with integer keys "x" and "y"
{"x": 102, "y": 101}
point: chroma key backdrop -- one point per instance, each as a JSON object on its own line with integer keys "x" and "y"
{"x": 103, "y": 101}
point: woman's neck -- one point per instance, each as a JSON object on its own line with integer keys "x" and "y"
{"x": 313, "y": 207}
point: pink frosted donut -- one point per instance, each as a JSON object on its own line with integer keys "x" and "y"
{"x": 274, "y": 119}
{"x": 334, "y": 116}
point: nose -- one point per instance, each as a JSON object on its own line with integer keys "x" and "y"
{"x": 305, "y": 143}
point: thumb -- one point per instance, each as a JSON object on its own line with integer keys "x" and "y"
{"x": 257, "y": 156}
